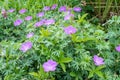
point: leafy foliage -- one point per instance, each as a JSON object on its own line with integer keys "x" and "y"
{"x": 73, "y": 53}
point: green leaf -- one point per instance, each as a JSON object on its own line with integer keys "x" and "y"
{"x": 65, "y": 60}
{"x": 7, "y": 77}
{"x": 63, "y": 67}
{"x": 45, "y": 32}
{"x": 34, "y": 74}
{"x": 81, "y": 19}
{"x": 76, "y": 78}
{"x": 85, "y": 39}
{"x": 100, "y": 74}
{"x": 41, "y": 71}
{"x": 90, "y": 74}
{"x": 30, "y": 25}
{"x": 74, "y": 38}
{"x": 72, "y": 74}
{"x": 100, "y": 67}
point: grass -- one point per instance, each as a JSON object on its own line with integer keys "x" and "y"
{"x": 18, "y": 4}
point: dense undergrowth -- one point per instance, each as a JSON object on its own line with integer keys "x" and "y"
{"x": 56, "y": 42}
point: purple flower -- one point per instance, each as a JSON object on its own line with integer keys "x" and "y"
{"x": 50, "y": 65}
{"x": 70, "y": 30}
{"x": 118, "y": 48}
{"x": 98, "y": 60}
{"x": 22, "y": 11}
{"x": 62, "y": 9}
{"x": 49, "y": 21}
{"x": 11, "y": 10}
{"x": 40, "y": 23}
{"x": 26, "y": 46}
{"x": 41, "y": 14}
{"x": 77, "y": 9}
{"x": 28, "y": 18}
{"x": 53, "y": 6}
{"x": 29, "y": 35}
{"x": 68, "y": 17}
{"x": 43, "y": 20}
{"x": 46, "y": 8}
{"x": 18, "y": 22}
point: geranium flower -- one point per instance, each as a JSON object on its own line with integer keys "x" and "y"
{"x": 54, "y": 6}
{"x": 26, "y": 46}
{"x": 68, "y": 16}
{"x": 50, "y": 65}
{"x": 98, "y": 60}
{"x": 49, "y": 21}
{"x": 18, "y": 22}
{"x": 62, "y": 9}
{"x": 46, "y": 8}
{"x": 22, "y": 11}
{"x": 40, "y": 23}
{"x": 77, "y": 9}
{"x": 118, "y": 48}
{"x": 70, "y": 30}
{"x": 11, "y": 10}
{"x": 29, "y": 35}
{"x": 40, "y": 14}
{"x": 28, "y": 18}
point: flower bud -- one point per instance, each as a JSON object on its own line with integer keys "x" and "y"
{"x": 4, "y": 13}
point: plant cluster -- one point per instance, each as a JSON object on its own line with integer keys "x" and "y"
{"x": 57, "y": 43}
